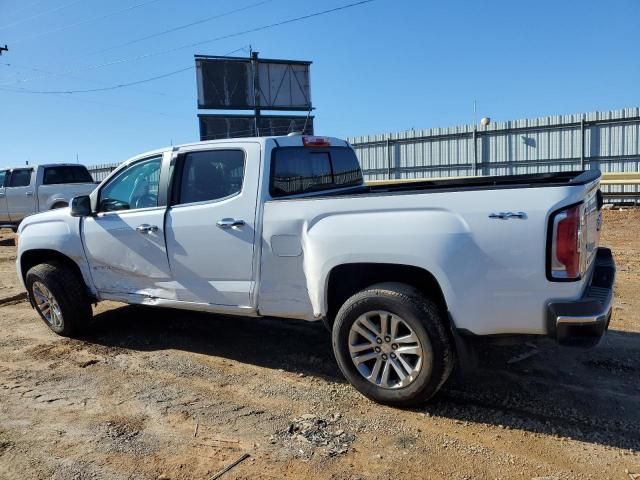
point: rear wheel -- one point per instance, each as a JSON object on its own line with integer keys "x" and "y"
{"x": 59, "y": 297}
{"x": 391, "y": 343}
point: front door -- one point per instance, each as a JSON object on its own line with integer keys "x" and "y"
{"x": 124, "y": 241}
{"x": 211, "y": 225}
{"x": 20, "y": 194}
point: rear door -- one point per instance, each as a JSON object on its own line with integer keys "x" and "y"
{"x": 4, "y": 212}
{"x": 20, "y": 194}
{"x": 211, "y": 225}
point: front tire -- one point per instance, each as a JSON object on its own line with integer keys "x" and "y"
{"x": 59, "y": 297}
{"x": 392, "y": 344}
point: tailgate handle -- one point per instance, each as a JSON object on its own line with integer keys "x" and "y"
{"x": 508, "y": 215}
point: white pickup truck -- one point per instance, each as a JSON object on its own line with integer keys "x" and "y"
{"x": 31, "y": 189}
{"x": 284, "y": 226}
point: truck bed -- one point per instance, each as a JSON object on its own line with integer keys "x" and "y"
{"x": 535, "y": 180}
{"x": 492, "y": 270}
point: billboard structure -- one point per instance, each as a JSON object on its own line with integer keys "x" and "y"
{"x": 237, "y": 83}
{"x": 214, "y": 126}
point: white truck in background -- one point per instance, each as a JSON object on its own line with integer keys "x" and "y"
{"x": 404, "y": 275}
{"x": 32, "y": 189}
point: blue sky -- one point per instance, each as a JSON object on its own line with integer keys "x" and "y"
{"x": 383, "y": 66}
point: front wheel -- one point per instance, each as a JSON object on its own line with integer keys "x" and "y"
{"x": 391, "y": 343}
{"x": 59, "y": 297}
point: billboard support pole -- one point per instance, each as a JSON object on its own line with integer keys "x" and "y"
{"x": 256, "y": 91}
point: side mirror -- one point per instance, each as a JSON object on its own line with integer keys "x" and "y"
{"x": 81, "y": 206}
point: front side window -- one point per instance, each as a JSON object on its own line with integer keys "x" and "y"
{"x": 211, "y": 175}
{"x": 66, "y": 174}
{"x": 134, "y": 187}
{"x": 20, "y": 178}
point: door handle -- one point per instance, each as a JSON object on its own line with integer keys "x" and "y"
{"x": 229, "y": 223}
{"x": 28, "y": 194}
{"x": 1, "y": 195}
{"x": 146, "y": 228}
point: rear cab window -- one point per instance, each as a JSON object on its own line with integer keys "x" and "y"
{"x": 299, "y": 170}
{"x": 66, "y": 174}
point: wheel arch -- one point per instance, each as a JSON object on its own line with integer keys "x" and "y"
{"x": 59, "y": 203}
{"x": 345, "y": 280}
{"x": 31, "y": 258}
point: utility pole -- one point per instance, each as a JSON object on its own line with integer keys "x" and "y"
{"x": 4, "y": 49}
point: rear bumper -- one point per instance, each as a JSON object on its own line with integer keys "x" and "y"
{"x": 583, "y": 322}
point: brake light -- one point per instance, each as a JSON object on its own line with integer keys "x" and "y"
{"x": 316, "y": 142}
{"x": 566, "y": 243}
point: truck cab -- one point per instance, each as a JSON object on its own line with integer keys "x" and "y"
{"x": 31, "y": 189}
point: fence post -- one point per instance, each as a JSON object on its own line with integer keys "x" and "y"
{"x": 389, "y": 159}
{"x": 475, "y": 150}
{"x": 582, "y": 143}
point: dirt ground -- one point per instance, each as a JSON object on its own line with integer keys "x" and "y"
{"x": 164, "y": 394}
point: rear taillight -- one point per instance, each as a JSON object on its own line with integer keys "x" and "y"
{"x": 566, "y": 245}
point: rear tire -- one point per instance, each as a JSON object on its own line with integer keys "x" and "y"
{"x": 393, "y": 327}
{"x": 59, "y": 297}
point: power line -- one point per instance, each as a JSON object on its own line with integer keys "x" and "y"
{"x": 180, "y": 27}
{"x": 204, "y": 42}
{"x": 106, "y": 104}
{"x": 88, "y": 20}
{"x": 231, "y": 35}
{"x": 46, "y": 12}
{"x": 84, "y": 79}
{"x": 111, "y": 87}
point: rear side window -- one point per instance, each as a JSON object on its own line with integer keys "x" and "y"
{"x": 211, "y": 175}
{"x": 67, "y": 174}
{"x": 3, "y": 177}
{"x": 20, "y": 178}
{"x": 298, "y": 170}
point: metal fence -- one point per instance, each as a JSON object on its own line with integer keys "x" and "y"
{"x": 102, "y": 171}
{"x": 609, "y": 141}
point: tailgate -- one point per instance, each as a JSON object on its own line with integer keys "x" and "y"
{"x": 592, "y": 221}
{"x": 574, "y": 232}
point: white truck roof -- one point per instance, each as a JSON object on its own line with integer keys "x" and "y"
{"x": 44, "y": 165}
{"x": 282, "y": 140}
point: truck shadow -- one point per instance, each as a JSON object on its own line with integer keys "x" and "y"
{"x": 588, "y": 395}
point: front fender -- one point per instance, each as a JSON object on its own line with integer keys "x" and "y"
{"x": 55, "y": 231}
